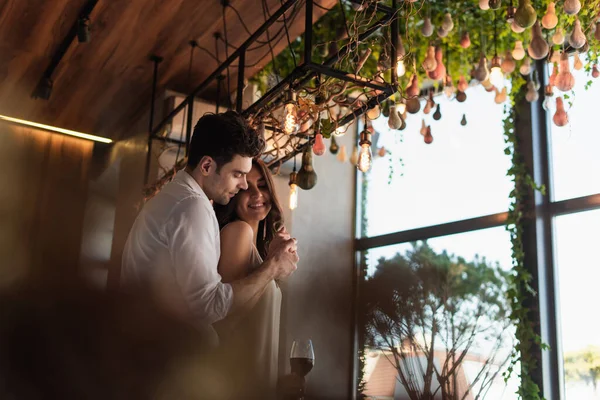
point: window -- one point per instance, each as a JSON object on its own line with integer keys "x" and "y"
{"x": 461, "y": 175}
{"x": 459, "y": 281}
{"x": 578, "y": 267}
{"x": 575, "y": 149}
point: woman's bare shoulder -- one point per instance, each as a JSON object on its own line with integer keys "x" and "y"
{"x": 238, "y": 230}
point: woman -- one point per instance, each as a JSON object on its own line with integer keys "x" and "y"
{"x": 248, "y": 223}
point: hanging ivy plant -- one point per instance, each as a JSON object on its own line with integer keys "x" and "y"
{"x": 520, "y": 290}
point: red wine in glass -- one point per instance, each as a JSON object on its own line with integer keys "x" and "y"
{"x": 302, "y": 357}
{"x": 301, "y": 365}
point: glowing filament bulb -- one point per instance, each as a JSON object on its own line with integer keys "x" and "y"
{"x": 293, "y": 196}
{"x": 365, "y": 157}
{"x": 293, "y": 189}
{"x": 290, "y": 119}
{"x": 496, "y": 75}
{"x": 400, "y": 69}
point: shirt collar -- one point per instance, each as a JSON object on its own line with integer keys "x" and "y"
{"x": 185, "y": 179}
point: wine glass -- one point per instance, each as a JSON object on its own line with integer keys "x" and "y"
{"x": 302, "y": 357}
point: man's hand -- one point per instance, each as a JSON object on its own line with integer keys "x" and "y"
{"x": 282, "y": 254}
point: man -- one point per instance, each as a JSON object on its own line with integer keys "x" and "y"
{"x": 174, "y": 247}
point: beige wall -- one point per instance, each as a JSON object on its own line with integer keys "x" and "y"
{"x": 319, "y": 295}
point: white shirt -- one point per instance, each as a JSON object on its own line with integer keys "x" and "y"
{"x": 173, "y": 250}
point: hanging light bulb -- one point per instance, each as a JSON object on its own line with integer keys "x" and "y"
{"x": 559, "y": 37}
{"x": 319, "y": 145}
{"x": 449, "y": 87}
{"x": 571, "y": 7}
{"x": 525, "y": 68}
{"x": 550, "y": 20}
{"x": 341, "y": 155}
{"x": 401, "y": 107}
{"x": 501, "y": 96}
{"x": 333, "y": 147}
{"x": 482, "y": 73}
{"x": 381, "y": 152}
{"x": 496, "y": 75}
{"x": 595, "y": 71}
{"x": 508, "y": 64}
{"x": 484, "y": 4}
{"x": 532, "y": 93}
{"x": 427, "y": 28}
{"x": 354, "y": 156}
{"x": 430, "y": 63}
{"x": 365, "y": 156}
{"x": 463, "y": 121}
{"x": 462, "y": 83}
{"x": 516, "y": 28}
{"x": 394, "y": 120}
{"x": 461, "y": 96}
{"x": 428, "y": 138}
{"x": 293, "y": 190}
{"x": 577, "y": 38}
{"x": 518, "y": 52}
{"x": 465, "y": 40}
{"x": 447, "y": 23}
{"x": 402, "y": 122}
{"x": 560, "y": 117}
{"x": 437, "y": 115}
{"x": 400, "y": 68}
{"x": 290, "y": 114}
{"x": 577, "y": 63}
{"x": 565, "y": 79}
{"x": 423, "y": 130}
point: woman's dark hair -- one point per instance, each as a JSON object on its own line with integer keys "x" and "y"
{"x": 274, "y": 219}
{"x": 221, "y": 137}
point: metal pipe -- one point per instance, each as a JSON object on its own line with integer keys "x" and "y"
{"x": 64, "y": 46}
{"x": 156, "y": 60}
{"x": 345, "y": 76}
{"x": 188, "y": 128}
{"x": 240, "y": 84}
{"x": 226, "y": 63}
{"x": 276, "y": 90}
{"x": 308, "y": 24}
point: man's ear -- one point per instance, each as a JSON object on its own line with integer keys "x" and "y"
{"x": 206, "y": 165}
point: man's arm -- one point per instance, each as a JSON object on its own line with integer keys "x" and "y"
{"x": 193, "y": 245}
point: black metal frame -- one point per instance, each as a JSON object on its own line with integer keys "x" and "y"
{"x": 298, "y": 77}
{"x": 533, "y": 132}
{"x": 60, "y": 52}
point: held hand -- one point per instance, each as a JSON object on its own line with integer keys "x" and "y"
{"x": 283, "y": 256}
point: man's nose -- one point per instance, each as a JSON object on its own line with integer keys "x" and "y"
{"x": 244, "y": 184}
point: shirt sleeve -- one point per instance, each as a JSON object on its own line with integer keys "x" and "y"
{"x": 193, "y": 247}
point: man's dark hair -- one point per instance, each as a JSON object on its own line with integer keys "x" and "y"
{"x": 221, "y": 137}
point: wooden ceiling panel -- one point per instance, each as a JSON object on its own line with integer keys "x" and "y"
{"x": 103, "y": 86}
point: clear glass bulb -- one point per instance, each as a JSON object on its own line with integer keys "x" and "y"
{"x": 290, "y": 119}
{"x": 497, "y": 77}
{"x": 448, "y": 91}
{"x": 340, "y": 131}
{"x": 401, "y": 107}
{"x": 400, "y": 69}
{"x": 293, "y": 196}
{"x": 364, "y": 158}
